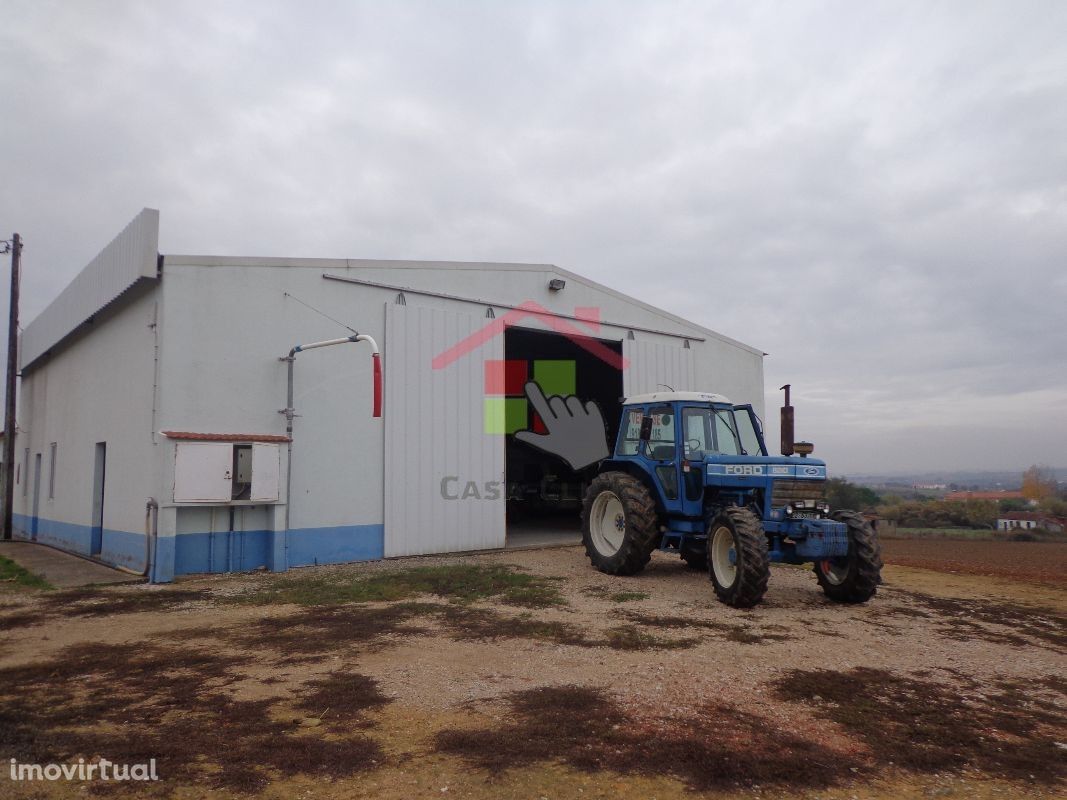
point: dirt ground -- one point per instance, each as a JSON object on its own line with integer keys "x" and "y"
{"x": 530, "y": 675}
{"x": 1033, "y": 562}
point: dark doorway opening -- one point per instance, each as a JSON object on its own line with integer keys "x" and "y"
{"x": 544, "y": 492}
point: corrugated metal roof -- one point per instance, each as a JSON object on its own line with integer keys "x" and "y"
{"x": 226, "y": 437}
{"x": 131, "y": 257}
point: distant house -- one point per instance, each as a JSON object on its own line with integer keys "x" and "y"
{"x": 962, "y": 497}
{"x": 1027, "y": 520}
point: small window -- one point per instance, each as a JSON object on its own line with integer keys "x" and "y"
{"x": 661, "y": 442}
{"x": 632, "y": 434}
{"x": 52, "y": 472}
{"x": 26, "y": 472}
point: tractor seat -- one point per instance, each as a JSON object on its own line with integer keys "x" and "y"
{"x": 663, "y": 452}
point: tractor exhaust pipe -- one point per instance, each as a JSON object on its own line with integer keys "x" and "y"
{"x": 788, "y": 447}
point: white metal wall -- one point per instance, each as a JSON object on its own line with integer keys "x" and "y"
{"x": 435, "y": 443}
{"x": 653, "y": 366}
{"x": 130, "y": 257}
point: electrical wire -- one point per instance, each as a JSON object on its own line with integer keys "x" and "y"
{"x": 321, "y": 313}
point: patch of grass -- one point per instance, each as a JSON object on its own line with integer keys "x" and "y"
{"x": 318, "y": 630}
{"x": 101, "y": 602}
{"x": 627, "y": 597}
{"x": 104, "y": 602}
{"x": 715, "y": 748}
{"x": 962, "y": 534}
{"x": 139, "y": 701}
{"x": 341, "y": 698}
{"x": 484, "y": 624}
{"x": 927, "y": 726}
{"x": 995, "y": 621}
{"x": 630, "y": 637}
{"x": 15, "y": 576}
{"x": 730, "y": 631}
{"x": 459, "y": 583}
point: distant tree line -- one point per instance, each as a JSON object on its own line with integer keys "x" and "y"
{"x": 1039, "y": 486}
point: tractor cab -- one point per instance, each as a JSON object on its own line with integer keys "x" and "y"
{"x": 701, "y": 468}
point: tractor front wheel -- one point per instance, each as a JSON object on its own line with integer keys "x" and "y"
{"x": 620, "y": 527}
{"x": 855, "y": 577}
{"x": 738, "y": 563}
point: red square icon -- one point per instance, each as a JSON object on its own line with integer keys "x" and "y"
{"x": 506, "y": 378}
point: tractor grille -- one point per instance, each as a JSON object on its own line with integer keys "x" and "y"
{"x": 786, "y": 491}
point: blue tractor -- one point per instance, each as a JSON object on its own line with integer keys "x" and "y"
{"x": 690, "y": 474}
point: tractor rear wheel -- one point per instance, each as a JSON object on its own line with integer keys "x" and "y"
{"x": 738, "y": 563}
{"x": 855, "y": 577}
{"x": 620, "y": 527}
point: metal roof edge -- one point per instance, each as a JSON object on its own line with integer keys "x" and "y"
{"x": 128, "y": 259}
{"x": 336, "y": 263}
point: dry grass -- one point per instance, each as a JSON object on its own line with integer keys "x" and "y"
{"x": 173, "y": 705}
{"x": 716, "y": 748}
{"x": 1006, "y": 729}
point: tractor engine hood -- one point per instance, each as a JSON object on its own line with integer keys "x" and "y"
{"x": 718, "y": 467}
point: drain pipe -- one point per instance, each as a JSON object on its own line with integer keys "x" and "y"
{"x": 151, "y": 533}
{"x": 289, "y": 411}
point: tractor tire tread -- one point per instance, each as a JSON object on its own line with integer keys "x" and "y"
{"x": 754, "y": 568}
{"x": 642, "y": 523}
{"x": 865, "y": 573}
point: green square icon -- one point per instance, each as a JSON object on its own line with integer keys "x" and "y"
{"x": 505, "y": 414}
{"x": 555, "y": 377}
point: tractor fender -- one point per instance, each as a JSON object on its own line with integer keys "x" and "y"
{"x": 636, "y": 470}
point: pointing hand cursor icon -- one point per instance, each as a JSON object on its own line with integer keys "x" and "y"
{"x": 575, "y": 429}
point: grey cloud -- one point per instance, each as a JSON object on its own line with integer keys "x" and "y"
{"x": 876, "y": 194}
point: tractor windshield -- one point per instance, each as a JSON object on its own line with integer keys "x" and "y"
{"x": 710, "y": 431}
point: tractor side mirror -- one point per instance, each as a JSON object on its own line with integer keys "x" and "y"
{"x": 646, "y": 428}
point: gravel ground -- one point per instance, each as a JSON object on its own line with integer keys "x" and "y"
{"x": 700, "y": 667}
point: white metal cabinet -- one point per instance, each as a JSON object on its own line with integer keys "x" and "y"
{"x": 435, "y": 434}
{"x": 203, "y": 472}
{"x": 266, "y": 472}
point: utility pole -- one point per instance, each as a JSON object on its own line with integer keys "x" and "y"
{"x": 15, "y": 248}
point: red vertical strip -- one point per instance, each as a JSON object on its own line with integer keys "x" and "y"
{"x": 377, "y": 385}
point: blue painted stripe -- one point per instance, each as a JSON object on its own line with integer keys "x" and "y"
{"x": 336, "y": 545}
{"x": 224, "y": 551}
{"x": 120, "y": 548}
{"x": 237, "y": 551}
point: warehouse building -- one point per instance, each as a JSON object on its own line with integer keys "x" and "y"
{"x": 152, "y": 416}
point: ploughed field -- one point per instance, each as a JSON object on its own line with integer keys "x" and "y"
{"x": 529, "y": 675}
{"x": 1034, "y": 562}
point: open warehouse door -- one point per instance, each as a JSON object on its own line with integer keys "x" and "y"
{"x": 579, "y": 380}
{"x": 444, "y": 466}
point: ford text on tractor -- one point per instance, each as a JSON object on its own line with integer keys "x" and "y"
{"x": 690, "y": 474}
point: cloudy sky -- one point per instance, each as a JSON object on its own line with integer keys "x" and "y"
{"x": 873, "y": 193}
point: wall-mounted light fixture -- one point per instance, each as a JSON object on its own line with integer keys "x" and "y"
{"x": 556, "y": 284}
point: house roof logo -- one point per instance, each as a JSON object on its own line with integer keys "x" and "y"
{"x": 560, "y": 424}
{"x": 588, "y": 316}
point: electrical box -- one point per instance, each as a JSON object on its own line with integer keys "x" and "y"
{"x": 243, "y": 458}
{"x": 203, "y": 472}
{"x": 225, "y": 472}
{"x": 266, "y": 473}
